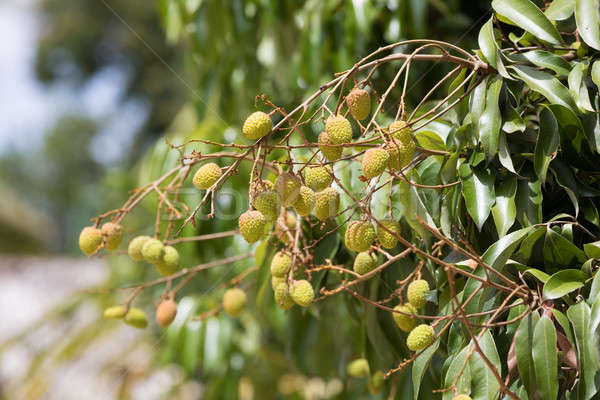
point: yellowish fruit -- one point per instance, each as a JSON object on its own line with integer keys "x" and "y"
{"x": 166, "y": 312}
{"x": 327, "y": 203}
{"x": 252, "y": 226}
{"x": 287, "y": 187}
{"x": 280, "y": 263}
{"x": 234, "y": 301}
{"x": 305, "y": 202}
{"x": 136, "y": 318}
{"x": 258, "y": 186}
{"x": 302, "y": 293}
{"x": 329, "y": 152}
{"x": 365, "y": 262}
{"x": 401, "y": 154}
{"x": 113, "y": 234}
{"x": 386, "y": 239}
{"x": 268, "y": 204}
{"x": 276, "y": 280}
{"x": 206, "y": 176}
{"x": 359, "y": 236}
{"x": 135, "y": 247}
{"x": 169, "y": 263}
{"x": 359, "y": 103}
{"x": 358, "y": 368}
{"x": 404, "y": 322}
{"x": 115, "y": 312}
{"x": 153, "y": 251}
{"x": 257, "y": 125}
{"x": 338, "y": 129}
{"x": 90, "y": 240}
{"x": 400, "y": 130}
{"x": 282, "y": 297}
{"x": 285, "y": 227}
{"x": 420, "y": 337}
{"x": 376, "y": 382}
{"x": 374, "y": 162}
{"x": 416, "y": 293}
{"x": 318, "y": 178}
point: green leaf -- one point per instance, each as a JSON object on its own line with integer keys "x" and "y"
{"x": 505, "y": 210}
{"x": 529, "y": 199}
{"x": 477, "y": 105}
{"x": 592, "y": 250}
{"x": 528, "y": 16}
{"x": 478, "y": 191}
{"x": 463, "y": 385}
{"x": 487, "y": 43}
{"x": 498, "y": 254}
{"x": 561, "y": 253}
{"x": 412, "y": 206}
{"x": 547, "y": 143}
{"x": 596, "y": 73}
{"x": 420, "y": 365}
{"x": 504, "y": 153}
{"x": 491, "y": 120}
{"x": 577, "y": 87}
{"x": 539, "y": 275}
{"x": 545, "y": 358}
{"x": 562, "y": 283}
{"x": 430, "y": 140}
{"x": 513, "y": 121}
{"x": 588, "y": 22}
{"x": 523, "y": 346}
{"x": 560, "y": 10}
{"x": 579, "y": 315}
{"x": 545, "y": 84}
{"x": 544, "y": 59}
{"x": 484, "y": 385}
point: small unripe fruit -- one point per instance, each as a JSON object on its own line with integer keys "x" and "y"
{"x": 90, "y": 239}
{"x": 338, "y": 129}
{"x": 115, "y": 312}
{"x": 268, "y": 204}
{"x": 282, "y": 297}
{"x": 329, "y": 152}
{"x": 285, "y": 227}
{"x": 359, "y": 236}
{"x": 376, "y": 382}
{"x": 386, "y": 239}
{"x": 234, "y": 301}
{"x": 257, "y": 125}
{"x": 169, "y": 263}
{"x": 318, "y": 178}
{"x": 136, "y": 318}
{"x": 400, "y": 130}
{"x": 401, "y": 153}
{"x": 358, "y": 368}
{"x": 302, "y": 293}
{"x": 276, "y": 280}
{"x": 305, "y": 202}
{"x": 359, "y": 103}
{"x": 416, "y": 292}
{"x": 252, "y": 226}
{"x": 420, "y": 337}
{"x": 365, "y": 262}
{"x": 206, "y": 176}
{"x": 135, "y": 247}
{"x": 462, "y": 397}
{"x": 153, "y": 251}
{"x": 287, "y": 187}
{"x": 258, "y": 186}
{"x": 327, "y": 203}
{"x": 166, "y": 312}
{"x": 280, "y": 263}
{"x": 113, "y": 234}
{"x": 374, "y": 162}
{"x": 404, "y": 322}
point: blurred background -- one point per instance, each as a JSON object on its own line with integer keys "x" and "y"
{"x": 91, "y": 92}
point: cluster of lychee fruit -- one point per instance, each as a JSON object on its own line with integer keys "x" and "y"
{"x": 420, "y": 336}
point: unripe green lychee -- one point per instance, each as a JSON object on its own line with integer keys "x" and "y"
{"x": 404, "y": 322}
{"x": 462, "y": 397}
{"x": 359, "y": 103}
{"x": 136, "y": 318}
{"x": 318, "y": 178}
{"x": 305, "y": 202}
{"x": 401, "y": 153}
{"x": 257, "y": 125}
{"x": 358, "y": 368}
{"x": 374, "y": 162}
{"x": 258, "y": 186}
{"x": 420, "y": 337}
{"x": 135, "y": 247}
{"x": 282, "y": 297}
{"x": 416, "y": 293}
{"x": 276, "y": 280}
{"x": 338, "y": 129}
{"x": 400, "y": 130}
{"x": 206, "y": 176}
{"x": 115, "y": 312}
{"x": 327, "y": 203}
{"x": 90, "y": 239}
{"x": 268, "y": 204}
{"x": 234, "y": 301}
{"x": 169, "y": 263}
{"x": 113, "y": 234}
{"x": 376, "y": 382}
{"x": 359, "y": 236}
{"x": 285, "y": 227}
{"x": 166, "y": 312}
{"x": 365, "y": 262}
{"x": 280, "y": 263}
{"x": 329, "y": 152}
{"x": 302, "y": 293}
{"x": 252, "y": 226}
{"x": 153, "y": 251}
{"x": 287, "y": 187}
{"x": 386, "y": 239}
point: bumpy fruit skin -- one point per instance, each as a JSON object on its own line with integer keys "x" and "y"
{"x": 268, "y": 204}
{"x": 135, "y": 247}
{"x": 462, "y": 397}
{"x": 276, "y": 280}
{"x": 113, "y": 234}
{"x": 318, "y": 178}
{"x": 338, "y": 129}
{"x": 359, "y": 103}
{"x": 280, "y": 263}
{"x": 305, "y": 202}
{"x": 404, "y": 322}
{"x": 234, "y": 301}
{"x": 416, "y": 293}
{"x": 358, "y": 368}
{"x": 206, "y": 176}
{"x": 153, "y": 251}
{"x": 283, "y": 299}
{"x": 257, "y": 125}
{"x": 400, "y": 130}
{"x": 90, "y": 239}
{"x": 327, "y": 203}
{"x": 359, "y": 236}
{"x": 330, "y": 153}
{"x": 386, "y": 239}
{"x": 365, "y": 262}
{"x": 285, "y": 227}
{"x": 287, "y": 187}
{"x": 374, "y": 162}
{"x": 401, "y": 154}
{"x": 115, "y": 312}
{"x": 136, "y": 318}
{"x": 420, "y": 337}
{"x": 259, "y": 186}
{"x": 169, "y": 263}
{"x": 252, "y": 226}
{"x": 166, "y": 312}
{"x": 376, "y": 382}
{"x": 302, "y": 293}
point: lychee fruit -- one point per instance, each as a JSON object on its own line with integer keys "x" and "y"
{"x": 318, "y": 178}
{"x": 280, "y": 263}
{"x": 135, "y": 247}
{"x": 359, "y": 103}
{"x": 374, "y": 162}
{"x": 327, "y": 203}
{"x": 302, "y": 293}
{"x": 358, "y": 368}
{"x": 113, "y": 234}
{"x": 166, "y": 312}
{"x": 365, "y": 262}
{"x": 329, "y": 152}
{"x": 359, "y": 236}
{"x": 136, "y": 318}
{"x": 338, "y": 129}
{"x": 252, "y": 226}
{"x": 90, "y": 239}
{"x": 376, "y": 382}
{"x": 400, "y": 130}
{"x": 285, "y": 227}
{"x": 282, "y": 297}
{"x": 234, "y": 301}
{"x": 416, "y": 293}
{"x": 258, "y": 186}
{"x": 169, "y": 263}
{"x": 115, "y": 312}
{"x": 305, "y": 202}
{"x": 386, "y": 239}
{"x": 153, "y": 251}
{"x": 257, "y": 125}
{"x": 276, "y": 280}
{"x": 420, "y": 337}
{"x": 287, "y": 187}
{"x": 206, "y": 176}
{"x": 404, "y": 322}
{"x": 268, "y": 204}
{"x": 401, "y": 153}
